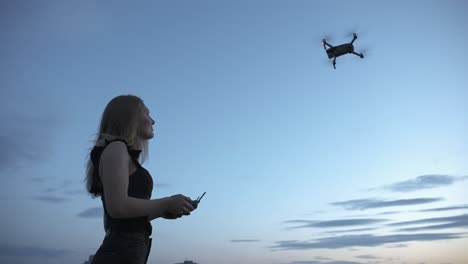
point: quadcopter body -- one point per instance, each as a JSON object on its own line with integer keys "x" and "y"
{"x": 337, "y": 51}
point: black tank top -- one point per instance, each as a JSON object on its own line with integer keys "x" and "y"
{"x": 140, "y": 185}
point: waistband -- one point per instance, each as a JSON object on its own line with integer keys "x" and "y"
{"x": 141, "y": 235}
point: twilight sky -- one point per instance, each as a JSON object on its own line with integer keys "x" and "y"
{"x": 301, "y": 163}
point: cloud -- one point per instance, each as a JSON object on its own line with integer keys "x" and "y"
{"x": 305, "y": 262}
{"x": 424, "y": 182}
{"x": 361, "y": 241}
{"x": 389, "y": 213}
{"x": 397, "y": 246}
{"x": 244, "y": 240}
{"x": 432, "y": 220}
{"x": 367, "y": 257}
{"x": 49, "y": 199}
{"x": 95, "y": 212}
{"x": 36, "y": 134}
{"x": 459, "y": 221}
{"x": 322, "y": 258}
{"x": 341, "y": 262}
{"x": 323, "y": 262}
{"x": 463, "y": 224}
{"x": 66, "y": 183}
{"x": 7, "y": 250}
{"x": 351, "y": 230}
{"x": 48, "y": 190}
{"x": 74, "y": 192}
{"x": 363, "y": 204}
{"x": 445, "y": 208}
{"x": 38, "y": 179}
{"x": 334, "y": 223}
{"x": 14, "y": 153}
{"x": 63, "y": 186}
{"x": 162, "y": 185}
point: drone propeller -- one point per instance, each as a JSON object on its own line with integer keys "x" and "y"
{"x": 365, "y": 53}
{"x": 327, "y": 37}
{"x": 326, "y": 40}
{"x": 351, "y": 33}
{"x": 323, "y": 44}
{"x": 355, "y": 30}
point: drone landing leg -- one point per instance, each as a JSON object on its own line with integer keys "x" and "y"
{"x": 334, "y": 63}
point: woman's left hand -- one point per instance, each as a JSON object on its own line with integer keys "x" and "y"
{"x": 170, "y": 216}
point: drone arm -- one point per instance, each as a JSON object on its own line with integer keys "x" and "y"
{"x": 358, "y": 54}
{"x": 354, "y": 38}
{"x": 324, "y": 43}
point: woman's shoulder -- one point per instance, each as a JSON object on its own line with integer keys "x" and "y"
{"x": 115, "y": 151}
{"x": 104, "y": 143}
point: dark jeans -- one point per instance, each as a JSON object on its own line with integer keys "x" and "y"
{"x": 123, "y": 248}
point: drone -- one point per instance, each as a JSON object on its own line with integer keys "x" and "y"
{"x": 336, "y": 51}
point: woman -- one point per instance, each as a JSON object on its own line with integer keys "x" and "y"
{"x": 114, "y": 173}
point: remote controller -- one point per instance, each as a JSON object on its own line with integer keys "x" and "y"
{"x": 195, "y": 203}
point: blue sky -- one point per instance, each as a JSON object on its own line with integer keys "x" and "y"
{"x": 301, "y": 163}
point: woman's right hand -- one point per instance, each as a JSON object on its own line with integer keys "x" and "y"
{"x": 178, "y": 206}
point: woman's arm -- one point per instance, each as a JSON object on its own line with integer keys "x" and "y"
{"x": 114, "y": 164}
{"x": 151, "y": 217}
{"x": 166, "y": 215}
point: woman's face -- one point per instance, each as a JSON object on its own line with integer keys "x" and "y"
{"x": 146, "y": 128}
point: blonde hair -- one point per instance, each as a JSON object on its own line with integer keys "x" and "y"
{"x": 121, "y": 119}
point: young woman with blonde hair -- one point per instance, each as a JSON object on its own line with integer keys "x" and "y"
{"x": 114, "y": 173}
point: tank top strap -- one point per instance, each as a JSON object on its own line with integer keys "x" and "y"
{"x": 134, "y": 153}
